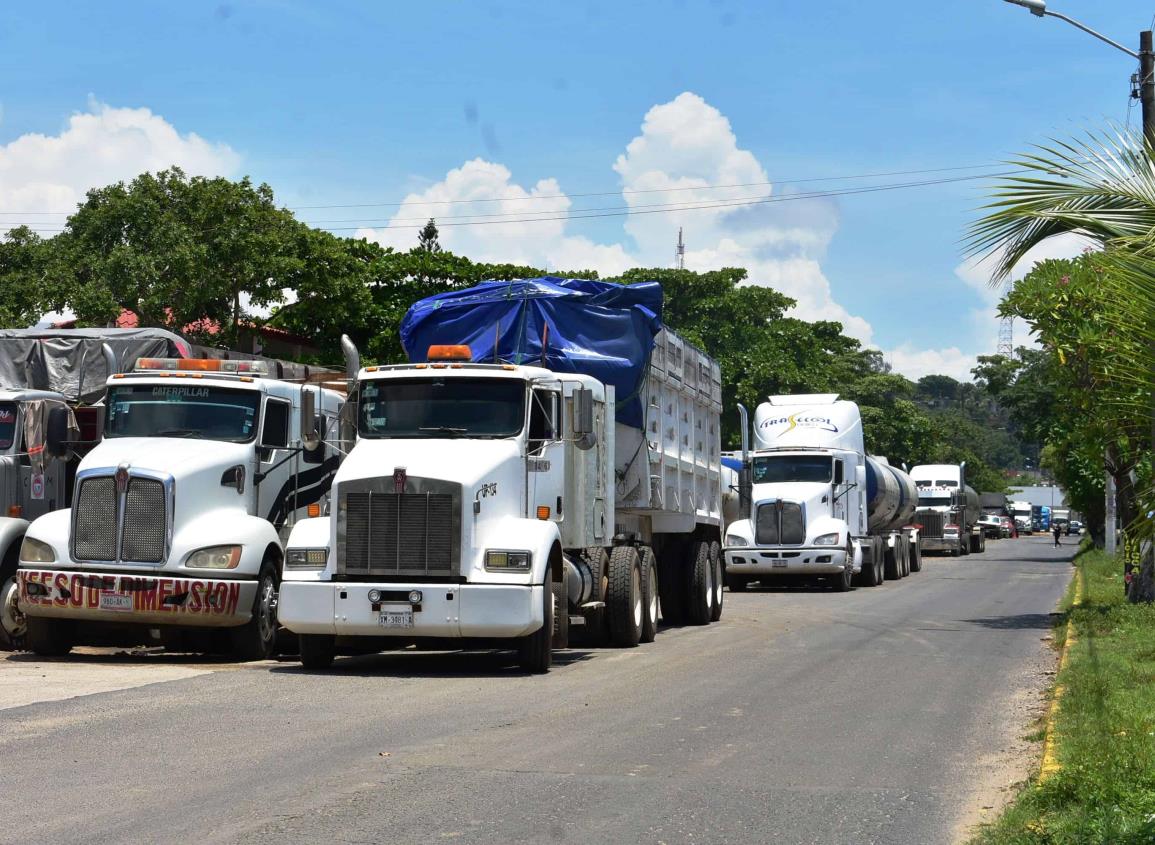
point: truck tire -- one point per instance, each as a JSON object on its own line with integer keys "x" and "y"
{"x": 256, "y": 638}
{"x": 595, "y": 630}
{"x": 892, "y": 563}
{"x": 915, "y": 557}
{"x": 48, "y": 637}
{"x": 904, "y": 556}
{"x": 672, "y": 582}
{"x": 843, "y": 583}
{"x": 534, "y": 651}
{"x": 624, "y": 605}
{"x": 700, "y": 595}
{"x": 868, "y": 576}
{"x": 13, "y": 623}
{"x": 560, "y": 615}
{"x": 317, "y": 650}
{"x": 650, "y": 594}
{"x": 719, "y": 578}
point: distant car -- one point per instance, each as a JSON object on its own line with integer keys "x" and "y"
{"x": 1006, "y": 527}
{"x": 991, "y": 525}
{"x": 1074, "y": 527}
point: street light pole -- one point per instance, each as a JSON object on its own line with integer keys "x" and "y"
{"x": 1146, "y": 76}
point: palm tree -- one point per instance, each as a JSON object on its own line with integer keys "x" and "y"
{"x": 1102, "y": 187}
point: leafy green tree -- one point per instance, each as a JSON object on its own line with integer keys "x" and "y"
{"x": 24, "y": 278}
{"x": 427, "y": 238}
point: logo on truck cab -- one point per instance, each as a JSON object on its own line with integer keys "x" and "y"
{"x": 802, "y": 421}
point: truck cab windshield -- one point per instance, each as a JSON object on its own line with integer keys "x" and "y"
{"x": 441, "y": 407}
{"x": 199, "y": 412}
{"x": 934, "y": 501}
{"x": 783, "y": 468}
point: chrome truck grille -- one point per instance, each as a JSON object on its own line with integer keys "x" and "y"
{"x": 415, "y": 533}
{"x": 931, "y": 522}
{"x": 780, "y": 523}
{"x": 127, "y": 519}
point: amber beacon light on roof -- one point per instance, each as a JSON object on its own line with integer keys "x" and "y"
{"x": 204, "y": 365}
{"x": 454, "y": 352}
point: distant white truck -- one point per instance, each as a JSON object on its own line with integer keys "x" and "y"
{"x": 813, "y": 503}
{"x": 178, "y": 515}
{"x": 948, "y": 509}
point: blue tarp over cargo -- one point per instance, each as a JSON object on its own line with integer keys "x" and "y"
{"x": 600, "y": 329}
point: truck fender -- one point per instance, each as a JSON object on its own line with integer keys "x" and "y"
{"x": 310, "y": 533}
{"x": 12, "y": 532}
{"x": 540, "y": 536}
{"x": 856, "y": 567}
{"x": 253, "y": 534}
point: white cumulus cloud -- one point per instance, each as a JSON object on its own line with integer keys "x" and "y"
{"x": 97, "y": 147}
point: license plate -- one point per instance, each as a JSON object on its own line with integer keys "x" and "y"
{"x": 778, "y": 564}
{"x": 396, "y": 619}
{"x": 116, "y": 601}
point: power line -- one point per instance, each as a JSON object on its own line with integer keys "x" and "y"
{"x": 619, "y": 192}
{"x": 621, "y": 211}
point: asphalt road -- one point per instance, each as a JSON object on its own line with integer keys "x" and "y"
{"x": 883, "y": 715}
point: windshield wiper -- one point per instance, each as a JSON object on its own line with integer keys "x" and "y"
{"x": 178, "y": 432}
{"x": 443, "y": 429}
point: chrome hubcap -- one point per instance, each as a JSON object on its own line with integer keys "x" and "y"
{"x": 268, "y": 609}
{"x": 637, "y": 584}
{"x": 11, "y": 617}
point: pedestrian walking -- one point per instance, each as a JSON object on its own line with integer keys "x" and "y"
{"x": 1057, "y": 530}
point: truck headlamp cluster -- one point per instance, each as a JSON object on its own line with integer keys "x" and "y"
{"x": 306, "y": 558}
{"x": 827, "y": 540}
{"x": 215, "y": 557}
{"x": 34, "y": 551}
{"x": 506, "y": 561}
{"x": 735, "y": 540}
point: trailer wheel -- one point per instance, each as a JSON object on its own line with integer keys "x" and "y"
{"x": 560, "y": 615}
{"x": 595, "y": 628}
{"x": 255, "y": 639}
{"x": 672, "y": 582}
{"x": 719, "y": 567}
{"x": 700, "y": 594}
{"x": 893, "y": 566}
{"x": 649, "y": 595}
{"x": 624, "y": 604}
{"x": 535, "y": 651}
{"x": 915, "y": 557}
{"x": 317, "y": 650}
{"x": 48, "y": 637}
{"x": 904, "y": 555}
{"x": 13, "y": 623}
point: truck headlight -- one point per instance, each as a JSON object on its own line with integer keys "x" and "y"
{"x": 34, "y": 551}
{"x": 505, "y": 561}
{"x": 306, "y": 558}
{"x": 827, "y": 540}
{"x": 215, "y": 557}
{"x": 734, "y": 540}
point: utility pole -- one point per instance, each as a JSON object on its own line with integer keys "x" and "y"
{"x": 1007, "y": 337}
{"x": 680, "y": 252}
{"x": 1146, "y": 86}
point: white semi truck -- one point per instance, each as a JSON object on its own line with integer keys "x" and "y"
{"x": 487, "y": 503}
{"x": 178, "y": 515}
{"x": 813, "y": 503}
{"x": 948, "y": 509}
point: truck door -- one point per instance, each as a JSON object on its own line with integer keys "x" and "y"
{"x": 545, "y": 459}
{"x": 275, "y": 496}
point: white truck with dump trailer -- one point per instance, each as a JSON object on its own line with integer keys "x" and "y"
{"x": 948, "y": 509}
{"x": 814, "y": 504}
{"x": 175, "y": 530}
{"x": 488, "y": 500}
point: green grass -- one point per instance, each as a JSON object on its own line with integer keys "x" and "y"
{"x": 1105, "y": 730}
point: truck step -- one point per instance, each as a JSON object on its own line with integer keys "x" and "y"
{"x": 593, "y": 605}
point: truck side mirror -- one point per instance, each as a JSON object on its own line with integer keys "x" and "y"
{"x": 837, "y": 471}
{"x": 56, "y": 432}
{"x": 310, "y": 438}
{"x": 583, "y": 411}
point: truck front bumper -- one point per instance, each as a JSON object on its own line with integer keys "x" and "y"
{"x": 136, "y": 599}
{"x": 815, "y": 560}
{"x": 940, "y": 544}
{"x": 343, "y": 608}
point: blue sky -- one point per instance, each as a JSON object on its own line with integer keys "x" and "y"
{"x": 358, "y": 102}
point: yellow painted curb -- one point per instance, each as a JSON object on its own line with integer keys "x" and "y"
{"x": 1050, "y": 759}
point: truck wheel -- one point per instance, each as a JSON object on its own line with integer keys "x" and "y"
{"x": 868, "y": 576}
{"x": 719, "y": 567}
{"x": 560, "y": 615}
{"x": 649, "y": 595}
{"x": 48, "y": 637}
{"x": 317, "y": 650}
{"x": 624, "y": 604}
{"x": 535, "y": 652}
{"x": 255, "y": 639}
{"x": 13, "y": 623}
{"x": 915, "y": 557}
{"x": 892, "y": 565}
{"x": 701, "y": 587}
{"x": 672, "y": 583}
{"x": 595, "y": 627}
{"x": 904, "y": 557}
{"x": 843, "y": 583}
